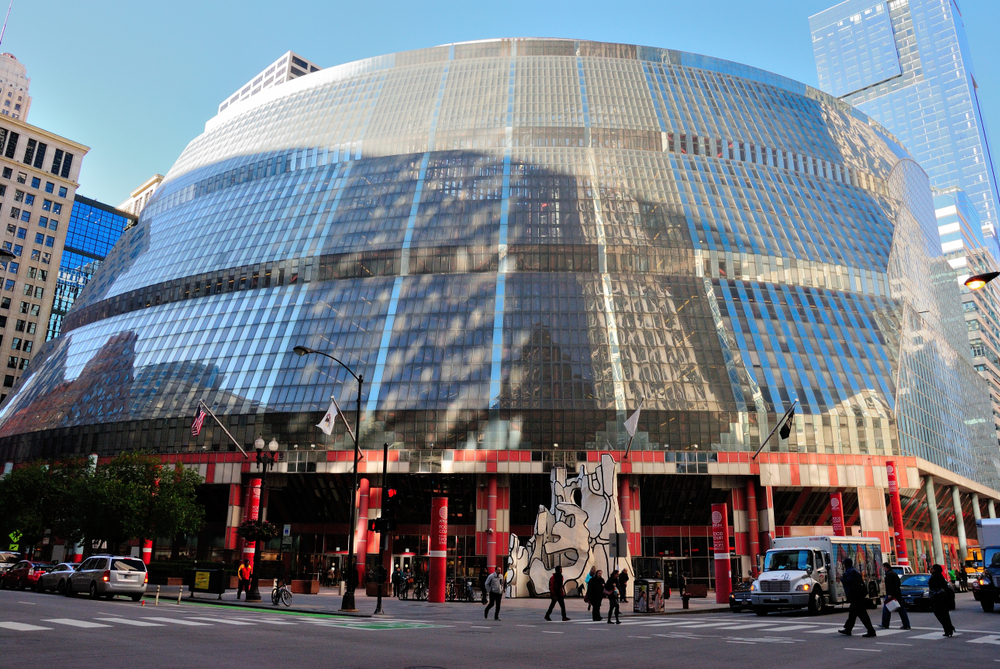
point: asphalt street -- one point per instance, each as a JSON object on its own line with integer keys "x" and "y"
{"x": 50, "y": 630}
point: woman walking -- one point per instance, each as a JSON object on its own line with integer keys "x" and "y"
{"x": 941, "y": 597}
{"x": 611, "y": 592}
{"x": 595, "y": 593}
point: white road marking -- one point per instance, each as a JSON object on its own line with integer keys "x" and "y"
{"x": 747, "y": 627}
{"x": 679, "y": 623}
{"x": 865, "y": 650}
{"x": 550, "y": 632}
{"x": 932, "y": 636}
{"x": 791, "y": 628}
{"x": 889, "y": 632}
{"x": 23, "y": 627}
{"x": 705, "y": 625}
{"x": 826, "y": 631}
{"x": 889, "y": 643}
{"x": 993, "y": 639}
{"x": 269, "y": 621}
{"x": 74, "y": 623}
{"x": 179, "y": 621}
{"x": 129, "y": 621}
{"x": 481, "y": 627}
{"x": 224, "y": 621}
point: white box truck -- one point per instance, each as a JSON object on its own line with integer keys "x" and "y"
{"x": 804, "y": 572}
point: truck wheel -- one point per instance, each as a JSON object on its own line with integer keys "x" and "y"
{"x": 817, "y": 602}
{"x": 987, "y": 605}
{"x": 760, "y": 611}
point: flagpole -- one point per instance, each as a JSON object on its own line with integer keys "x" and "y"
{"x": 776, "y": 427}
{"x": 358, "y": 456}
{"x": 205, "y": 406}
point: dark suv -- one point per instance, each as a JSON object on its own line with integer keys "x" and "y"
{"x": 986, "y": 585}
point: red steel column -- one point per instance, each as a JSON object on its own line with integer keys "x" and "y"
{"x": 147, "y": 551}
{"x": 253, "y": 513}
{"x": 361, "y": 531}
{"x": 837, "y": 514}
{"x": 752, "y": 526}
{"x": 625, "y": 505}
{"x": 491, "y": 523}
{"x": 897, "y": 514}
{"x": 439, "y": 549}
{"x": 720, "y": 542}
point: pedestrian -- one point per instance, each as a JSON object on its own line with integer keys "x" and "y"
{"x": 586, "y": 584}
{"x": 395, "y": 581}
{"x": 494, "y": 586}
{"x": 963, "y": 579}
{"x": 623, "y": 585}
{"x": 857, "y": 599}
{"x": 893, "y": 594}
{"x": 611, "y": 593}
{"x": 595, "y": 594}
{"x": 941, "y": 599}
{"x": 556, "y": 595}
{"x": 243, "y": 574}
{"x": 331, "y": 576}
{"x": 483, "y": 575}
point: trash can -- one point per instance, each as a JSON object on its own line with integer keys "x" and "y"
{"x": 648, "y": 597}
{"x": 211, "y": 579}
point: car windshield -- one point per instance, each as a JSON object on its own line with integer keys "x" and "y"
{"x": 788, "y": 560}
{"x": 129, "y": 565}
{"x": 9, "y": 558}
{"x": 916, "y": 580}
{"x": 993, "y": 557}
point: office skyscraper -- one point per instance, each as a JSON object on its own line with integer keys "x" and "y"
{"x": 907, "y": 64}
{"x": 93, "y": 229}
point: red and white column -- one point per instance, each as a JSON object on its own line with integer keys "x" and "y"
{"x": 837, "y": 514}
{"x": 625, "y": 505}
{"x": 738, "y": 497}
{"x": 896, "y": 507}
{"x": 766, "y": 517}
{"x": 234, "y": 516}
{"x": 253, "y": 513}
{"x": 361, "y": 531}
{"x": 753, "y": 528}
{"x": 491, "y": 523}
{"x": 147, "y": 551}
{"x": 438, "y": 552}
{"x": 720, "y": 544}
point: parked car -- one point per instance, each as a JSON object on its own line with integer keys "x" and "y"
{"x": 901, "y": 570}
{"x": 109, "y": 575}
{"x": 916, "y": 593}
{"x": 739, "y": 598}
{"x": 56, "y": 577}
{"x": 23, "y": 574}
{"x": 8, "y": 559}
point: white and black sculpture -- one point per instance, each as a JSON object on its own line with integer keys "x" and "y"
{"x": 576, "y": 532}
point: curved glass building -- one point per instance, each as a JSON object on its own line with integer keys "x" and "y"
{"x": 515, "y": 242}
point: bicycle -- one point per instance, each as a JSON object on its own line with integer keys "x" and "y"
{"x": 281, "y": 594}
{"x": 420, "y": 590}
{"x": 450, "y": 593}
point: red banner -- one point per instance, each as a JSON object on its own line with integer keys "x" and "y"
{"x": 438, "y": 552}
{"x": 252, "y": 514}
{"x": 897, "y": 514}
{"x": 837, "y": 514}
{"x": 720, "y": 543}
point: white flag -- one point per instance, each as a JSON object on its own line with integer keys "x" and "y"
{"x": 327, "y": 423}
{"x": 633, "y": 421}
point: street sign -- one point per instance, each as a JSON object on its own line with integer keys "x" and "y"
{"x": 15, "y": 538}
{"x": 286, "y": 531}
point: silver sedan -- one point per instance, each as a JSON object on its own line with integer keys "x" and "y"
{"x": 56, "y": 578}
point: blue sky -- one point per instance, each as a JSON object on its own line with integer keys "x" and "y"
{"x": 136, "y": 81}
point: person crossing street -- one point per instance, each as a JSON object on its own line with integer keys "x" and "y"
{"x": 893, "y": 593}
{"x": 611, "y": 593}
{"x": 494, "y": 586}
{"x": 595, "y": 594}
{"x": 857, "y": 598}
{"x": 557, "y": 594}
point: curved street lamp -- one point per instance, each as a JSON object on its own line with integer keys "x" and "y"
{"x": 980, "y": 280}
{"x": 352, "y": 574}
{"x": 265, "y": 461}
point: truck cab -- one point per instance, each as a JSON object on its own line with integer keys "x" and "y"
{"x": 986, "y": 584}
{"x": 804, "y": 572}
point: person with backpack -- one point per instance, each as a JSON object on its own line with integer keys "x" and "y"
{"x": 893, "y": 593}
{"x": 611, "y": 594}
{"x": 857, "y": 599}
{"x": 556, "y": 595}
{"x": 586, "y": 585}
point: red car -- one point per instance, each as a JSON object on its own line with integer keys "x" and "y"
{"x": 23, "y": 575}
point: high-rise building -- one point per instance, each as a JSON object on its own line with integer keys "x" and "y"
{"x": 907, "y": 64}
{"x": 290, "y": 66}
{"x": 140, "y": 196}
{"x": 93, "y": 229}
{"x": 38, "y": 181}
{"x": 513, "y": 243}
{"x": 14, "y": 83}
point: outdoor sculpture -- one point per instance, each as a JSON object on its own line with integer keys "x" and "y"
{"x": 575, "y": 532}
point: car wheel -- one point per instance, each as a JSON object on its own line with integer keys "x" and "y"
{"x": 61, "y": 587}
{"x": 68, "y": 588}
{"x": 136, "y": 598}
{"x": 21, "y": 583}
{"x": 987, "y": 605}
{"x": 760, "y": 611}
{"x": 93, "y": 591}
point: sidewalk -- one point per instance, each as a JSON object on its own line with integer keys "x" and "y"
{"x": 328, "y": 602}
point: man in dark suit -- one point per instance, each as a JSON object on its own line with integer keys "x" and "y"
{"x": 857, "y": 598}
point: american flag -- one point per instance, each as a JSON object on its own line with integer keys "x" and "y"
{"x": 199, "y": 418}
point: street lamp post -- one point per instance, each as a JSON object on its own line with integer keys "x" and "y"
{"x": 980, "y": 280}
{"x": 352, "y": 574}
{"x": 265, "y": 461}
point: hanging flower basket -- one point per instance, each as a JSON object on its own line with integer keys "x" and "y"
{"x": 257, "y": 530}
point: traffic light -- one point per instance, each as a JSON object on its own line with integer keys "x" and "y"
{"x": 389, "y": 509}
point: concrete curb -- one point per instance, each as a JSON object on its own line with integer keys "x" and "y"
{"x": 259, "y": 607}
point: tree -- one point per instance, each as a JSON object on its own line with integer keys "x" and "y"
{"x": 133, "y": 497}
{"x": 38, "y": 497}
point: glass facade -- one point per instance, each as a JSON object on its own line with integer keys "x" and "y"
{"x": 907, "y": 64}
{"x": 93, "y": 229}
{"x": 513, "y": 242}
